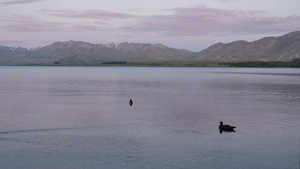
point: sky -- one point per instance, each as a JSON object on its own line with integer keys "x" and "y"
{"x": 185, "y": 24}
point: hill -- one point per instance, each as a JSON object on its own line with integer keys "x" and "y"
{"x": 282, "y": 48}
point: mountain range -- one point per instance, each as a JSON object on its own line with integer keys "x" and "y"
{"x": 281, "y": 48}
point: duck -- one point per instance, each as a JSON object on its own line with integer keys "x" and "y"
{"x": 226, "y": 127}
{"x": 130, "y": 102}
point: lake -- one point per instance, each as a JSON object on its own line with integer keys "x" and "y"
{"x": 79, "y": 117}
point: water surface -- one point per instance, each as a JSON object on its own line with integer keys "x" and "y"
{"x": 79, "y": 117}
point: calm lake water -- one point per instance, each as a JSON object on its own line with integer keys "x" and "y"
{"x": 79, "y": 117}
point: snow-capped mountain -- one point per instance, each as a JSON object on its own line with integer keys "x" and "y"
{"x": 282, "y": 48}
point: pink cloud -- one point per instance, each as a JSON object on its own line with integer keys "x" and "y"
{"x": 11, "y": 2}
{"x": 181, "y": 22}
{"x": 90, "y": 14}
{"x": 202, "y": 21}
{"x": 226, "y": 1}
{"x": 31, "y": 24}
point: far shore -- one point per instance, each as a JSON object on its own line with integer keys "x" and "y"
{"x": 255, "y": 64}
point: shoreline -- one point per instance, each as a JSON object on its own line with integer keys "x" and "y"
{"x": 234, "y": 64}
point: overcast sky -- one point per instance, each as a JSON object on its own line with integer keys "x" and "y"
{"x": 187, "y": 24}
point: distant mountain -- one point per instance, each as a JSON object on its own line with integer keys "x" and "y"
{"x": 282, "y": 48}
{"x": 149, "y": 52}
{"x": 12, "y": 55}
{"x": 74, "y": 52}
{"x": 83, "y": 52}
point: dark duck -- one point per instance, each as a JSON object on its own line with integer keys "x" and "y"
{"x": 226, "y": 127}
{"x": 130, "y": 102}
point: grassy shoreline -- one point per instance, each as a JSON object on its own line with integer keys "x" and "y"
{"x": 254, "y": 64}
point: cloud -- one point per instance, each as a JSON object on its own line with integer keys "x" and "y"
{"x": 21, "y": 23}
{"x": 89, "y": 14}
{"x": 31, "y": 24}
{"x": 196, "y": 21}
{"x": 11, "y": 2}
{"x": 227, "y": 1}
{"x": 203, "y": 21}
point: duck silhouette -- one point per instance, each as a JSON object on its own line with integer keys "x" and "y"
{"x": 226, "y": 127}
{"x": 130, "y": 102}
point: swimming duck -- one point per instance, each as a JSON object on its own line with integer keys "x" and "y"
{"x": 226, "y": 127}
{"x": 130, "y": 102}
